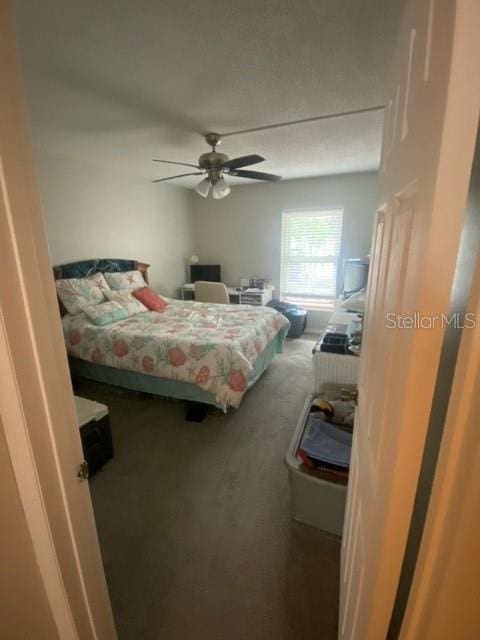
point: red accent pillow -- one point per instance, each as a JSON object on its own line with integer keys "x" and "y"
{"x": 150, "y": 299}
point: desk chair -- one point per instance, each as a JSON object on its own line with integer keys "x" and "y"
{"x": 211, "y": 292}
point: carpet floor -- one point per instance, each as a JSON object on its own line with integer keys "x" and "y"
{"x": 194, "y": 520}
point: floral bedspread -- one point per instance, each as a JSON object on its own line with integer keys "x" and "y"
{"x": 210, "y": 345}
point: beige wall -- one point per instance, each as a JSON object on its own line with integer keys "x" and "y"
{"x": 243, "y": 231}
{"x": 92, "y": 211}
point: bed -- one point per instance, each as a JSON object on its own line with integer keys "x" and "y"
{"x": 199, "y": 352}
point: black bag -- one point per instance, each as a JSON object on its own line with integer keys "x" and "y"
{"x": 295, "y": 314}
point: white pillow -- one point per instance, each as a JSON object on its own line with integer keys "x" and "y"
{"x": 99, "y": 281}
{"x": 105, "y": 312}
{"x": 127, "y": 301}
{"x": 125, "y": 280}
{"x": 77, "y": 293}
{"x": 355, "y": 302}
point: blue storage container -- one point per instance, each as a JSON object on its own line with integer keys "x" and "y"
{"x": 298, "y": 322}
{"x": 296, "y": 315}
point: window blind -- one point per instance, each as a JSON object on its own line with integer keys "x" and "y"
{"x": 309, "y": 256}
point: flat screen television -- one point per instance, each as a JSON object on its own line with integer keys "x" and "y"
{"x": 205, "y": 272}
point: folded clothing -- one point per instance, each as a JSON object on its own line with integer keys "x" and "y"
{"x": 338, "y": 412}
{"x": 325, "y": 445}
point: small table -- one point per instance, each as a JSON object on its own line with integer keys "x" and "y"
{"x": 237, "y": 295}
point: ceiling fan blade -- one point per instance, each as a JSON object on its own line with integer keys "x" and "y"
{"x": 255, "y": 175}
{"x": 243, "y": 161}
{"x": 182, "y": 175}
{"x": 184, "y": 164}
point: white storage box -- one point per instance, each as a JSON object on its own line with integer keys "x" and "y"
{"x": 88, "y": 410}
{"x": 314, "y": 501}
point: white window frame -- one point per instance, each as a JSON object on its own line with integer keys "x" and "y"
{"x": 312, "y": 301}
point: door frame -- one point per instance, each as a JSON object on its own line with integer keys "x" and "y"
{"x": 36, "y": 398}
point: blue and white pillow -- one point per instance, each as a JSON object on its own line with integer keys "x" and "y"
{"x": 77, "y": 293}
{"x": 130, "y": 280}
{"x": 106, "y": 312}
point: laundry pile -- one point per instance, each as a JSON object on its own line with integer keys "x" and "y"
{"x": 327, "y": 441}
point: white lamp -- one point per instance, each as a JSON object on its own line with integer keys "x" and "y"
{"x": 220, "y": 189}
{"x": 203, "y": 187}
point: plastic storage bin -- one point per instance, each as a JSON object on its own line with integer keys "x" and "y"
{"x": 314, "y": 501}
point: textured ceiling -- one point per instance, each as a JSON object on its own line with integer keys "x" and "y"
{"x": 127, "y": 81}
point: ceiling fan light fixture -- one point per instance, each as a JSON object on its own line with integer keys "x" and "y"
{"x": 220, "y": 189}
{"x": 203, "y": 187}
{"x": 214, "y": 165}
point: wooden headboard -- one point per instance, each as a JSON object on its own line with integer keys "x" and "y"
{"x": 85, "y": 268}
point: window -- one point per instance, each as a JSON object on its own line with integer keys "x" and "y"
{"x": 310, "y": 250}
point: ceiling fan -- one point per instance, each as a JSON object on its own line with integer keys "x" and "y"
{"x": 214, "y": 166}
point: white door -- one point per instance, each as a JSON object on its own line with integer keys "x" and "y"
{"x": 429, "y": 135}
{"x": 445, "y": 591}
